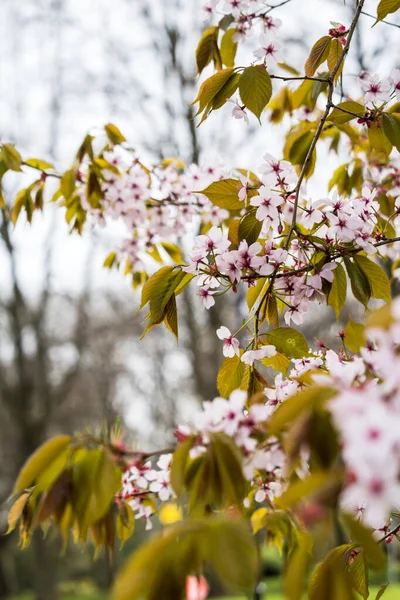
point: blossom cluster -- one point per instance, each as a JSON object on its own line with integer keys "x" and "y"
{"x": 141, "y": 481}
{"x": 337, "y": 225}
{"x": 154, "y": 205}
{"x": 245, "y": 14}
{"x": 365, "y": 412}
{"x": 367, "y": 415}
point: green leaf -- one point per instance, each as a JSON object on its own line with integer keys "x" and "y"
{"x": 114, "y": 134}
{"x": 228, "y": 465}
{"x": 318, "y": 55}
{"x": 233, "y": 555}
{"x": 224, "y": 194}
{"x": 298, "y": 151}
{"x": 305, "y": 400}
{"x": 250, "y": 227}
{"x": 338, "y": 291}
{"x": 339, "y": 117}
{"x": 377, "y": 278}
{"x": 363, "y": 536}
{"x": 11, "y": 157}
{"x": 178, "y": 466}
{"x": 206, "y": 48}
{"x": 255, "y": 89}
{"x": 360, "y": 285}
{"x": 354, "y": 335}
{"x": 288, "y": 341}
{"x": 386, "y": 7}
{"x": 230, "y": 375}
{"x": 390, "y": 124}
{"x": 303, "y": 488}
{"x": 228, "y": 47}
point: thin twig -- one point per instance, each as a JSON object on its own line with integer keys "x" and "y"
{"x": 390, "y": 533}
{"x": 381, "y": 21}
{"x": 300, "y": 78}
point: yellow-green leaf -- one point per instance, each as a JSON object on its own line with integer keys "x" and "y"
{"x": 11, "y": 157}
{"x": 288, "y": 341}
{"x": 224, "y": 194}
{"x": 377, "y": 278}
{"x": 390, "y": 124}
{"x": 37, "y": 163}
{"x": 354, "y": 335}
{"x": 338, "y": 291}
{"x": 318, "y": 55}
{"x": 228, "y": 48}
{"x": 387, "y": 7}
{"x": 206, "y": 48}
{"x": 305, "y": 400}
{"x": 114, "y": 134}
{"x": 230, "y": 375}
{"x": 363, "y": 536}
{"x": 40, "y": 460}
{"x": 16, "y": 511}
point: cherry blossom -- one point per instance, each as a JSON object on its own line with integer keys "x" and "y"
{"x": 376, "y": 90}
{"x": 395, "y": 81}
{"x": 231, "y": 344}
{"x": 250, "y": 356}
{"x": 206, "y": 296}
{"x": 238, "y": 111}
{"x": 267, "y": 203}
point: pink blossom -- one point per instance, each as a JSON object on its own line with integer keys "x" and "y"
{"x": 377, "y": 91}
{"x": 231, "y": 344}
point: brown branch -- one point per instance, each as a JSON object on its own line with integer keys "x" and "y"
{"x": 329, "y": 104}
